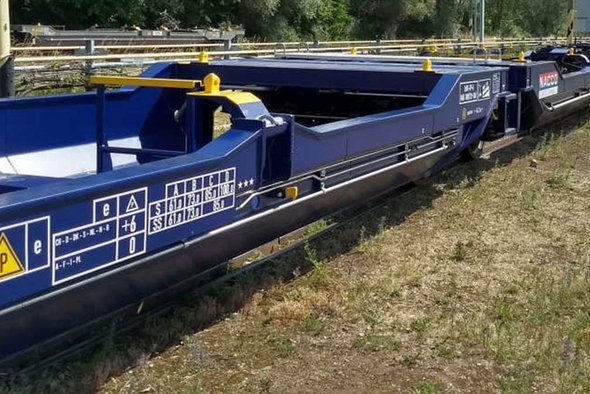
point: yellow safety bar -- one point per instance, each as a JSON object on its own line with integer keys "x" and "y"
{"x": 212, "y": 88}
{"x": 100, "y": 80}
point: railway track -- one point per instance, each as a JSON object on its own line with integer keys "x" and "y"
{"x": 68, "y": 67}
{"x": 275, "y": 49}
{"x": 155, "y": 48}
{"x": 53, "y": 70}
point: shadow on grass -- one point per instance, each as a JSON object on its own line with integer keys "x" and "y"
{"x": 119, "y": 352}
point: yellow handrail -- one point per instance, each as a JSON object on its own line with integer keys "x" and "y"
{"x": 106, "y": 80}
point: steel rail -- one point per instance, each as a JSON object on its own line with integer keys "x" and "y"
{"x": 188, "y": 55}
{"x": 459, "y": 41}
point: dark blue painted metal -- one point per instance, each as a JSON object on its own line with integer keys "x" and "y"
{"x": 102, "y": 155}
{"x": 159, "y": 180}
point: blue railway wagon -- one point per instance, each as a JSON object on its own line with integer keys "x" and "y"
{"x": 112, "y": 196}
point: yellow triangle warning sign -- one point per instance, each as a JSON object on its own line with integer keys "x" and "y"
{"x": 9, "y": 263}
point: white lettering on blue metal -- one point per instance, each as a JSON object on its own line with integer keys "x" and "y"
{"x": 117, "y": 233}
{"x": 496, "y": 83}
{"x": 473, "y": 91}
{"x": 468, "y": 92}
{"x": 120, "y": 223}
{"x": 192, "y": 199}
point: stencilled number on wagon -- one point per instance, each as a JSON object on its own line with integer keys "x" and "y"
{"x": 117, "y": 232}
{"x": 217, "y": 205}
{"x": 192, "y": 199}
{"x": 132, "y": 245}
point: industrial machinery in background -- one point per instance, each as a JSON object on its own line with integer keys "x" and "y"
{"x": 49, "y": 36}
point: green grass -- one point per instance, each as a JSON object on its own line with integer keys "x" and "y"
{"x": 532, "y": 197}
{"x": 420, "y": 325}
{"x": 281, "y": 344}
{"x": 376, "y": 343}
{"x": 318, "y": 278}
{"x": 543, "y": 331}
{"x": 372, "y": 315}
{"x": 317, "y": 227}
{"x": 410, "y": 360}
{"x": 428, "y": 388}
{"x": 444, "y": 349}
{"x": 313, "y": 325}
{"x": 559, "y": 179}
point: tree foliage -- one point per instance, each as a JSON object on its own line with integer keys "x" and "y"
{"x": 305, "y": 19}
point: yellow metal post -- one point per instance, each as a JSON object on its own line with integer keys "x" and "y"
{"x": 203, "y": 57}
{"x": 211, "y": 83}
{"x": 4, "y": 31}
{"x": 571, "y": 19}
{"x": 6, "y": 58}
